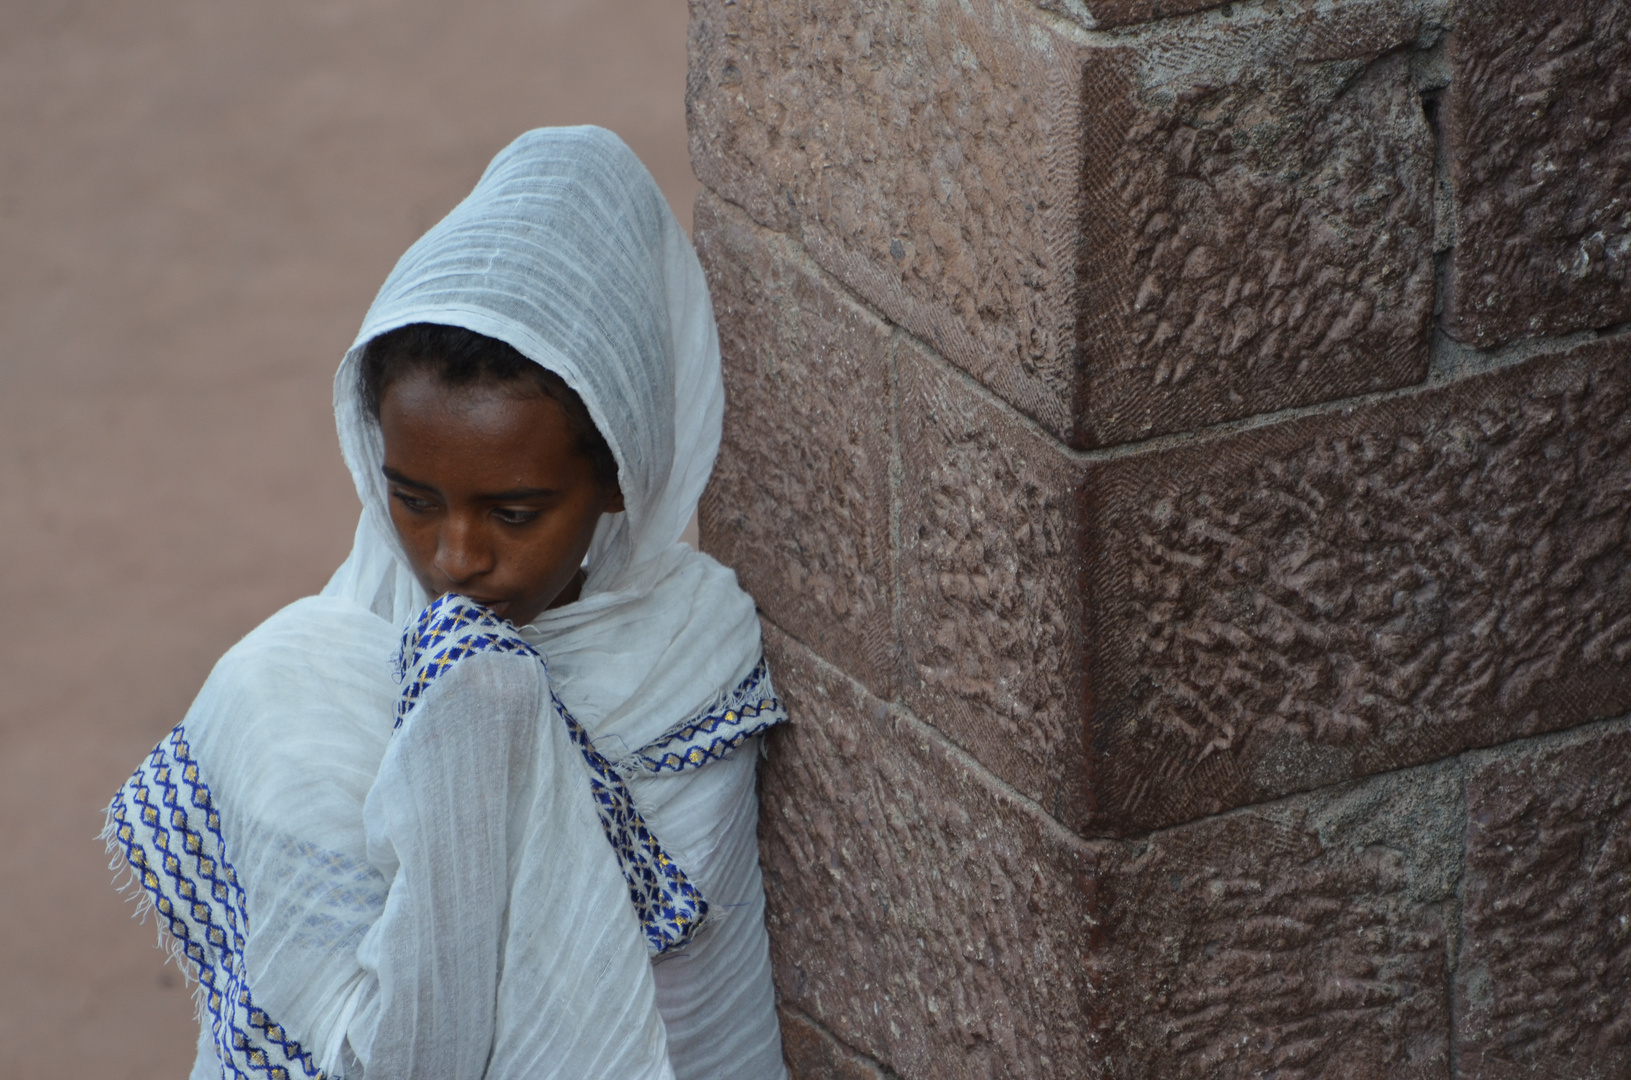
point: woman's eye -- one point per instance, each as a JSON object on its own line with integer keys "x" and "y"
{"x": 411, "y": 502}
{"x": 515, "y": 517}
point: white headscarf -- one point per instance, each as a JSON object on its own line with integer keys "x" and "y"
{"x": 567, "y": 251}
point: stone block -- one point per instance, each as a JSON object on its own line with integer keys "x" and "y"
{"x": 990, "y": 583}
{"x": 1537, "y": 122}
{"x": 1261, "y": 235}
{"x": 923, "y": 914}
{"x": 1301, "y": 940}
{"x": 799, "y": 501}
{"x": 1307, "y": 602}
{"x": 813, "y": 1054}
{"x": 1546, "y": 921}
{"x": 1197, "y": 221}
{"x": 925, "y": 152}
{"x": 1107, "y": 14}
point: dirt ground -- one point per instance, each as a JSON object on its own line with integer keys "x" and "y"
{"x": 198, "y": 199}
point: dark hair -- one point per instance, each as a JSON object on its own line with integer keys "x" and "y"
{"x": 460, "y": 357}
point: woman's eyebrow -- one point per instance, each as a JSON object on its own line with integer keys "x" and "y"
{"x": 397, "y": 478}
{"x": 518, "y": 494}
{"x": 512, "y": 495}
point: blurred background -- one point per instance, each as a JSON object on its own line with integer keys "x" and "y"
{"x": 198, "y": 199}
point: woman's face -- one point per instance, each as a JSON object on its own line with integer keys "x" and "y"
{"x": 489, "y": 492}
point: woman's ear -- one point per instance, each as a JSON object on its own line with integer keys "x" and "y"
{"x": 614, "y": 500}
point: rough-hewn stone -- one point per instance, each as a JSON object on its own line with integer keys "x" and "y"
{"x": 926, "y": 153}
{"x": 1122, "y": 237}
{"x": 1105, "y": 14}
{"x": 1296, "y": 941}
{"x": 1545, "y": 964}
{"x": 990, "y": 583}
{"x": 926, "y": 916}
{"x": 1538, "y": 124}
{"x": 1307, "y": 602}
{"x": 1242, "y": 662}
{"x": 799, "y": 501}
{"x": 813, "y": 1054}
{"x": 1262, "y": 235}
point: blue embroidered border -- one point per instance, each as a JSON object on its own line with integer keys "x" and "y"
{"x": 440, "y": 637}
{"x": 749, "y": 709}
{"x": 670, "y": 908}
{"x": 165, "y": 822}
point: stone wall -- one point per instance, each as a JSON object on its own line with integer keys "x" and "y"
{"x": 1182, "y": 453}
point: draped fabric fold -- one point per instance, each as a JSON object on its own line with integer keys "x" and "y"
{"x": 538, "y": 861}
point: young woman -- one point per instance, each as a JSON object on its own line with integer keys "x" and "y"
{"x": 486, "y": 807}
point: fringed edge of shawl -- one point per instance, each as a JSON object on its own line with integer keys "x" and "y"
{"x": 220, "y": 1009}
{"x": 127, "y": 882}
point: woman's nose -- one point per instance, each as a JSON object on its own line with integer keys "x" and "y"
{"x": 462, "y": 550}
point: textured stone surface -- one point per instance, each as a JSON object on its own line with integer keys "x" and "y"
{"x": 1545, "y": 962}
{"x": 1299, "y": 941}
{"x": 1312, "y": 601}
{"x": 799, "y": 501}
{"x": 1261, "y": 236}
{"x": 1121, "y": 237}
{"x": 926, "y": 152}
{"x": 813, "y": 1054}
{"x": 990, "y": 584}
{"x": 929, "y": 919}
{"x": 1105, "y": 14}
{"x": 1538, "y": 122}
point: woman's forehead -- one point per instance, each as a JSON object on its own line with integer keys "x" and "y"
{"x": 477, "y": 434}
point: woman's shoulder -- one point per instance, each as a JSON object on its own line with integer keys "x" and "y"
{"x": 305, "y": 698}
{"x": 323, "y": 615}
{"x": 318, "y": 658}
{"x": 315, "y": 636}
{"x": 296, "y": 716}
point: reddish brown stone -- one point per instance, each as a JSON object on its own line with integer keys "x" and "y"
{"x": 1302, "y": 940}
{"x": 1545, "y": 965}
{"x": 813, "y": 1054}
{"x": 927, "y": 917}
{"x": 990, "y": 583}
{"x": 799, "y": 501}
{"x": 1312, "y": 601}
{"x": 1538, "y": 124}
{"x": 1261, "y": 236}
{"x": 925, "y": 151}
{"x": 1105, "y": 14}
{"x": 989, "y": 580}
{"x": 1202, "y": 221}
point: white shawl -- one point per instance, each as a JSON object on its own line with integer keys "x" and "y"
{"x": 442, "y": 901}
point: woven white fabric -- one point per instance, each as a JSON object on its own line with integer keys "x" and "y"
{"x": 441, "y": 901}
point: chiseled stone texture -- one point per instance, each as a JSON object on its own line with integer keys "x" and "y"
{"x": 1306, "y": 602}
{"x": 1298, "y": 941}
{"x": 1545, "y": 966}
{"x": 799, "y": 500}
{"x": 990, "y": 584}
{"x": 1538, "y": 123}
{"x": 925, "y": 151}
{"x": 1261, "y": 237}
{"x": 1107, "y": 14}
{"x": 813, "y": 1054}
{"x": 927, "y": 917}
{"x": 1203, "y": 219}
